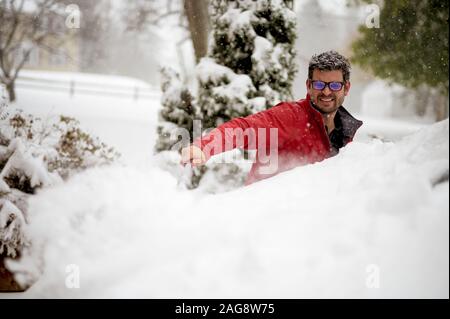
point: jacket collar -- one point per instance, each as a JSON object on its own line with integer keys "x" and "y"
{"x": 349, "y": 124}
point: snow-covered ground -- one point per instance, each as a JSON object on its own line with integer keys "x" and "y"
{"x": 369, "y": 223}
{"x": 120, "y": 121}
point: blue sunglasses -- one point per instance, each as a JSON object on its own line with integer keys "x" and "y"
{"x": 333, "y": 86}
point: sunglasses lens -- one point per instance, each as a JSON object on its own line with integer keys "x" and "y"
{"x": 335, "y": 86}
{"x": 318, "y": 85}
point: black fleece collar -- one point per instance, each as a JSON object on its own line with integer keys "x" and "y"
{"x": 349, "y": 124}
{"x": 345, "y": 128}
{"x": 343, "y": 120}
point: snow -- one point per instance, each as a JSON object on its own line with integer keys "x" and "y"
{"x": 89, "y": 78}
{"x": 387, "y": 129}
{"x": 236, "y": 90}
{"x": 262, "y": 49}
{"x": 209, "y": 70}
{"x": 337, "y": 8}
{"x": 237, "y": 19}
{"x": 384, "y": 105}
{"x": 22, "y": 159}
{"x": 119, "y": 121}
{"x": 318, "y": 231}
{"x": 11, "y": 223}
{"x": 173, "y": 91}
{"x": 275, "y": 239}
{"x": 4, "y": 188}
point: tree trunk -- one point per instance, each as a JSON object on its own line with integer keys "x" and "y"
{"x": 10, "y": 88}
{"x": 422, "y": 99}
{"x": 198, "y": 19}
{"x": 441, "y": 107}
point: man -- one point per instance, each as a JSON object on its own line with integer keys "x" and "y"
{"x": 308, "y": 130}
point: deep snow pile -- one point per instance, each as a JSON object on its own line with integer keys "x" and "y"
{"x": 323, "y": 230}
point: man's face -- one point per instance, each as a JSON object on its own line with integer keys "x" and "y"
{"x": 326, "y": 100}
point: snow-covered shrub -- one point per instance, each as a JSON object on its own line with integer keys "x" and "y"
{"x": 11, "y": 223}
{"x": 77, "y": 150}
{"x": 58, "y": 147}
{"x": 36, "y": 154}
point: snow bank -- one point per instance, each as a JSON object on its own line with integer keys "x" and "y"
{"x": 371, "y": 222}
{"x": 386, "y": 129}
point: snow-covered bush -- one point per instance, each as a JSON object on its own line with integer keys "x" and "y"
{"x": 36, "y": 154}
{"x": 77, "y": 150}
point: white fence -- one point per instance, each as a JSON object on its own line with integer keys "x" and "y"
{"x": 74, "y": 87}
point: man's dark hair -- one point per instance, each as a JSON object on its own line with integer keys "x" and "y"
{"x": 329, "y": 61}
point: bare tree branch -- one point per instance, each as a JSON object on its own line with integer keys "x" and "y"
{"x": 22, "y": 26}
{"x": 15, "y": 23}
{"x": 161, "y": 17}
{"x": 193, "y": 16}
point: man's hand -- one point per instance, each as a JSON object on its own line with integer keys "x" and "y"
{"x": 192, "y": 155}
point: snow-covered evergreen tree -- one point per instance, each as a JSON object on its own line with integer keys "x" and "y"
{"x": 250, "y": 67}
{"x": 251, "y": 60}
{"x": 178, "y": 110}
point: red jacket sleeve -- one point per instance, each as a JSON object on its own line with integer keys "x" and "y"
{"x": 251, "y": 132}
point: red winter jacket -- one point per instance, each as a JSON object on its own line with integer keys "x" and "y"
{"x": 302, "y": 137}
